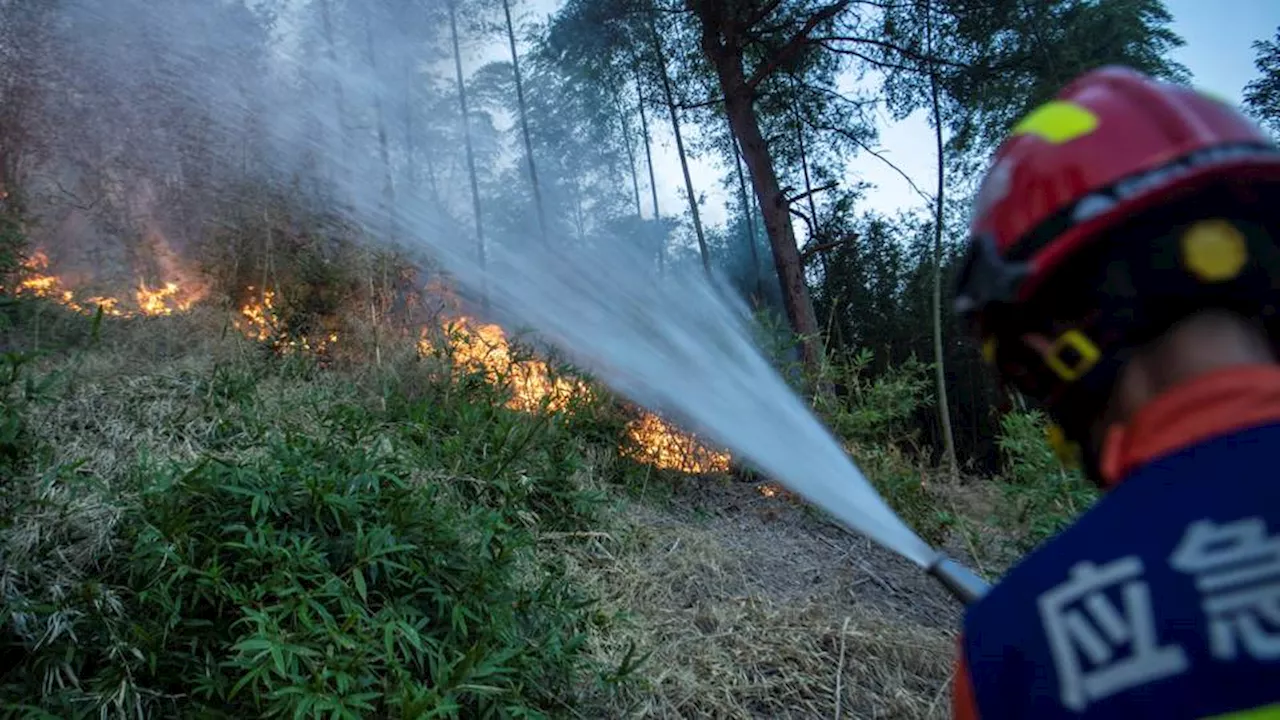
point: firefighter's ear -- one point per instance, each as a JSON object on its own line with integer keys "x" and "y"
{"x": 1038, "y": 343}
{"x": 1067, "y": 451}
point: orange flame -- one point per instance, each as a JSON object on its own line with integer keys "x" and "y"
{"x": 771, "y": 490}
{"x": 38, "y": 282}
{"x": 662, "y": 445}
{"x": 157, "y": 302}
{"x": 262, "y": 323}
{"x": 484, "y": 348}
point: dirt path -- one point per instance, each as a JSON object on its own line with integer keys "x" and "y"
{"x": 755, "y": 607}
{"x": 790, "y": 554}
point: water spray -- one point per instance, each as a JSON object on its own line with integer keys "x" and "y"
{"x": 667, "y": 339}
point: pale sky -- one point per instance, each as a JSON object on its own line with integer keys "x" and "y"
{"x": 1218, "y": 52}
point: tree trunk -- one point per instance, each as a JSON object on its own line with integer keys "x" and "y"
{"x": 815, "y": 237}
{"x": 660, "y": 58}
{"x": 470, "y": 152}
{"x": 739, "y": 101}
{"x": 631, "y": 153}
{"x": 410, "y": 140}
{"x": 748, "y": 213}
{"x": 940, "y": 375}
{"x": 331, "y": 54}
{"x": 388, "y": 208}
{"x": 524, "y": 125}
{"x": 653, "y": 182}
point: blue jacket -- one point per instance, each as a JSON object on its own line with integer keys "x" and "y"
{"x": 1163, "y": 600}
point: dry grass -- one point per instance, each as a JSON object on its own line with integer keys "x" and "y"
{"x": 720, "y": 652}
{"x": 140, "y": 396}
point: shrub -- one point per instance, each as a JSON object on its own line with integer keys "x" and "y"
{"x": 876, "y": 409}
{"x": 384, "y": 561}
{"x": 1044, "y": 496}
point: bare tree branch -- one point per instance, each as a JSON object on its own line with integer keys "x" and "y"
{"x": 699, "y": 105}
{"x": 765, "y": 11}
{"x": 797, "y": 43}
{"x": 813, "y": 191}
{"x": 810, "y": 253}
{"x": 905, "y": 52}
{"x": 858, "y": 141}
{"x": 870, "y": 60}
{"x": 808, "y": 223}
{"x": 75, "y": 200}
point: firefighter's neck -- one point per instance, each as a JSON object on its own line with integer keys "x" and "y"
{"x": 1202, "y": 343}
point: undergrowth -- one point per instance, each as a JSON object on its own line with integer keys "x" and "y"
{"x": 1043, "y": 497}
{"x": 195, "y": 525}
{"x": 288, "y": 543}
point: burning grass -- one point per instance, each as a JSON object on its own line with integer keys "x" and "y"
{"x": 473, "y": 346}
{"x": 167, "y": 299}
{"x": 535, "y": 386}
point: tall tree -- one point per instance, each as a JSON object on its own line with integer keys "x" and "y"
{"x": 975, "y": 68}
{"x": 660, "y": 61}
{"x": 748, "y": 217}
{"x": 939, "y": 358}
{"x": 624, "y": 125}
{"x": 653, "y": 179}
{"x": 465, "y": 116}
{"x": 1262, "y": 94}
{"x": 524, "y": 124}
{"x": 728, "y": 31}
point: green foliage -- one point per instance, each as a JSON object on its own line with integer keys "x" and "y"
{"x": 380, "y": 560}
{"x": 903, "y": 481}
{"x": 876, "y": 408}
{"x": 997, "y": 60}
{"x": 13, "y": 248}
{"x": 1044, "y": 496}
{"x": 1262, "y": 94}
{"x": 876, "y": 413}
{"x": 19, "y": 389}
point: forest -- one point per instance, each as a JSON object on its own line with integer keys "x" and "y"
{"x": 276, "y": 441}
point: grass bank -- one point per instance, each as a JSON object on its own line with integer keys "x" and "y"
{"x": 197, "y": 526}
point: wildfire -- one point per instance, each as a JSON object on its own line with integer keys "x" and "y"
{"x": 484, "y": 348}
{"x": 476, "y": 346}
{"x": 157, "y": 302}
{"x": 662, "y": 445}
{"x": 259, "y": 321}
{"x": 260, "y": 317}
{"x": 38, "y": 282}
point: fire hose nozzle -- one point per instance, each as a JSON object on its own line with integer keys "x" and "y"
{"x": 960, "y": 581}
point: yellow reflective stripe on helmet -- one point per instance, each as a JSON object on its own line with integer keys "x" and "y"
{"x": 1057, "y": 121}
{"x": 1266, "y": 712}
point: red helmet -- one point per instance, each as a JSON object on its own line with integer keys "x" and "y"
{"x": 1113, "y": 143}
{"x": 1113, "y": 176}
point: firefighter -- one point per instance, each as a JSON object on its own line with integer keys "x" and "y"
{"x": 1123, "y": 273}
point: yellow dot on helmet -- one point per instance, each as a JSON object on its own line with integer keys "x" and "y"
{"x": 1214, "y": 250}
{"x": 1057, "y": 122}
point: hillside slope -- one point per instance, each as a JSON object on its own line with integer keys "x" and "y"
{"x": 171, "y": 483}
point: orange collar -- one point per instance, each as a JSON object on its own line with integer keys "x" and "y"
{"x": 1214, "y": 404}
